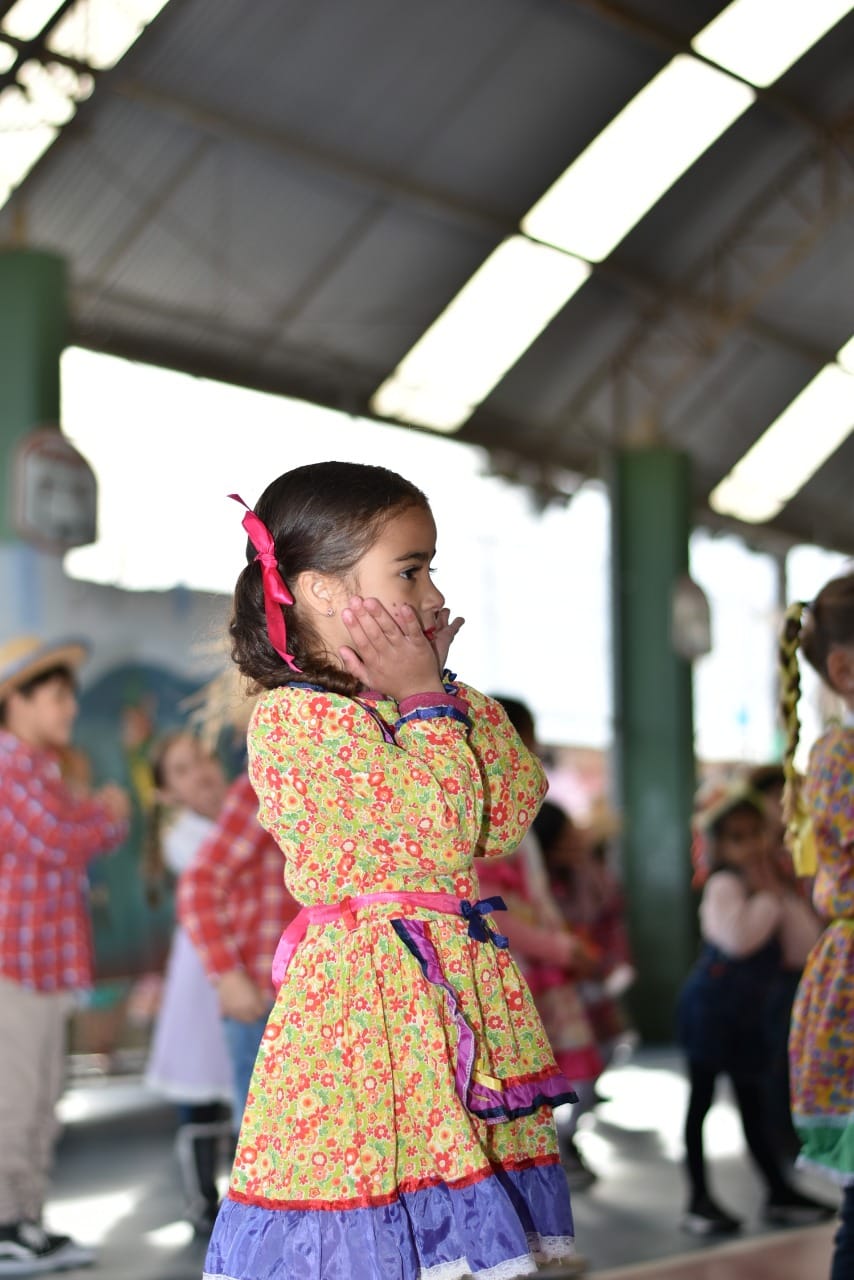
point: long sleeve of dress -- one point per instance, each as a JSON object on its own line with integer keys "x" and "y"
{"x": 829, "y": 796}
{"x": 734, "y": 920}
{"x": 800, "y": 930}
{"x": 330, "y": 784}
{"x": 514, "y": 780}
{"x": 829, "y": 788}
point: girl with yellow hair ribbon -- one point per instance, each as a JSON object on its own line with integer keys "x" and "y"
{"x": 819, "y": 813}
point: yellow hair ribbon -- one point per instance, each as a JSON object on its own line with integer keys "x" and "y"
{"x": 800, "y": 838}
{"x": 142, "y": 780}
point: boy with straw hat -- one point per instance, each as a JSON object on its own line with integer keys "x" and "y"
{"x": 47, "y": 836}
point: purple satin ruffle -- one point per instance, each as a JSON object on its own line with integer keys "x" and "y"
{"x": 487, "y": 1104}
{"x": 523, "y": 1215}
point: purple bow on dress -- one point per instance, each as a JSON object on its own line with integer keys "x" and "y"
{"x": 476, "y": 912}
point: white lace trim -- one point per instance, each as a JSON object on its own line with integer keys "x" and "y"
{"x": 460, "y": 1269}
{"x": 543, "y": 1249}
{"x": 456, "y": 1270}
{"x": 551, "y": 1248}
{"x": 842, "y": 1178}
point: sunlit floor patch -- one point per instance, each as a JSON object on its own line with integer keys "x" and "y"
{"x": 654, "y": 1100}
{"x": 174, "y": 1235}
{"x": 91, "y": 1219}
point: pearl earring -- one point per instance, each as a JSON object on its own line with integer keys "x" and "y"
{"x": 330, "y": 613}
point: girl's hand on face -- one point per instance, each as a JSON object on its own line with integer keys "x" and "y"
{"x": 762, "y": 876}
{"x": 390, "y": 654}
{"x": 441, "y": 635}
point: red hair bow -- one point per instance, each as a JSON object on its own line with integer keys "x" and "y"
{"x": 276, "y": 592}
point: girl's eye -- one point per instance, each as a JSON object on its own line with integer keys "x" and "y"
{"x": 409, "y": 574}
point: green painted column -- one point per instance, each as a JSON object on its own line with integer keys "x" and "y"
{"x": 654, "y": 756}
{"x": 33, "y": 333}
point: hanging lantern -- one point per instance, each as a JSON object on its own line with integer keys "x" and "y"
{"x": 54, "y": 492}
{"x": 691, "y": 620}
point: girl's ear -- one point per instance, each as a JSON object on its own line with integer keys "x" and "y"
{"x": 840, "y": 669}
{"x": 316, "y": 591}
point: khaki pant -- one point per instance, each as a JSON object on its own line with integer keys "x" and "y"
{"x": 32, "y": 1068}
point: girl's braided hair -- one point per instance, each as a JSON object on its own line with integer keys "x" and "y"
{"x": 154, "y": 870}
{"x": 816, "y": 629}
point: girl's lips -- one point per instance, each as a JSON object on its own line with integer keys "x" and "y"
{"x": 430, "y": 632}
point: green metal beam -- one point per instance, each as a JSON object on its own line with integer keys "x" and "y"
{"x": 33, "y": 329}
{"x": 651, "y": 492}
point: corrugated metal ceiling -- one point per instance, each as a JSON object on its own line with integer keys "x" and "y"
{"x": 288, "y": 194}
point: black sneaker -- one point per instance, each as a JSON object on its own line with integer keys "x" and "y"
{"x": 26, "y": 1249}
{"x": 204, "y": 1217}
{"x": 705, "y": 1218}
{"x": 792, "y": 1209}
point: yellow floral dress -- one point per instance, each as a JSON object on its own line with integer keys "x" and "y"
{"x": 398, "y": 1125}
{"x": 821, "y": 1042}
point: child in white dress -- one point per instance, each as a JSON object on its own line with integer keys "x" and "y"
{"x": 189, "y": 1061}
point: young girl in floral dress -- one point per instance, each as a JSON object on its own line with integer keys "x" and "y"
{"x": 820, "y": 827}
{"x": 398, "y": 1125}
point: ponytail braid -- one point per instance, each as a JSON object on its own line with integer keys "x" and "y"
{"x": 798, "y": 832}
{"x": 154, "y": 873}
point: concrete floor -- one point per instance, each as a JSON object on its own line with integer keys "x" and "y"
{"x": 117, "y": 1187}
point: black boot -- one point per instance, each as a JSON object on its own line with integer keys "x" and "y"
{"x": 197, "y": 1147}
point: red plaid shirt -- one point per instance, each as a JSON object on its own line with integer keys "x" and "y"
{"x": 232, "y": 899}
{"x": 47, "y": 836}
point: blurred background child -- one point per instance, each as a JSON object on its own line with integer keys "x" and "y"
{"x": 49, "y": 832}
{"x": 189, "y": 1061}
{"x": 722, "y": 1004}
{"x": 234, "y": 905}
{"x": 554, "y": 957}
{"x": 590, "y": 899}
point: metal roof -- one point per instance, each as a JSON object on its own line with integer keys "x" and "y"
{"x": 287, "y": 194}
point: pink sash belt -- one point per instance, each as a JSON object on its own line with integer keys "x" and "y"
{"x": 346, "y": 909}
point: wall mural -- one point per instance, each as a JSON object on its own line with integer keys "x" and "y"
{"x": 121, "y": 714}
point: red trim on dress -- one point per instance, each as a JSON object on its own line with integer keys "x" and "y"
{"x": 509, "y": 1082}
{"x": 407, "y": 1186}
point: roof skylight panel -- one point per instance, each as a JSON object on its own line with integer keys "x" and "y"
{"x": 28, "y": 18}
{"x": 760, "y": 39}
{"x": 100, "y": 32}
{"x": 481, "y": 334}
{"x": 789, "y": 453}
{"x": 637, "y": 157}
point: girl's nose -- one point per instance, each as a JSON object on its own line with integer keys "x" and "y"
{"x": 435, "y": 599}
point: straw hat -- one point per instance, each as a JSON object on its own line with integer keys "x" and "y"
{"x": 223, "y": 703}
{"x": 26, "y": 656}
{"x": 714, "y": 801}
{"x": 603, "y": 822}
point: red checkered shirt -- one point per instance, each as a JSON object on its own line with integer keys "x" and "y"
{"x": 47, "y": 836}
{"x": 232, "y": 899}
